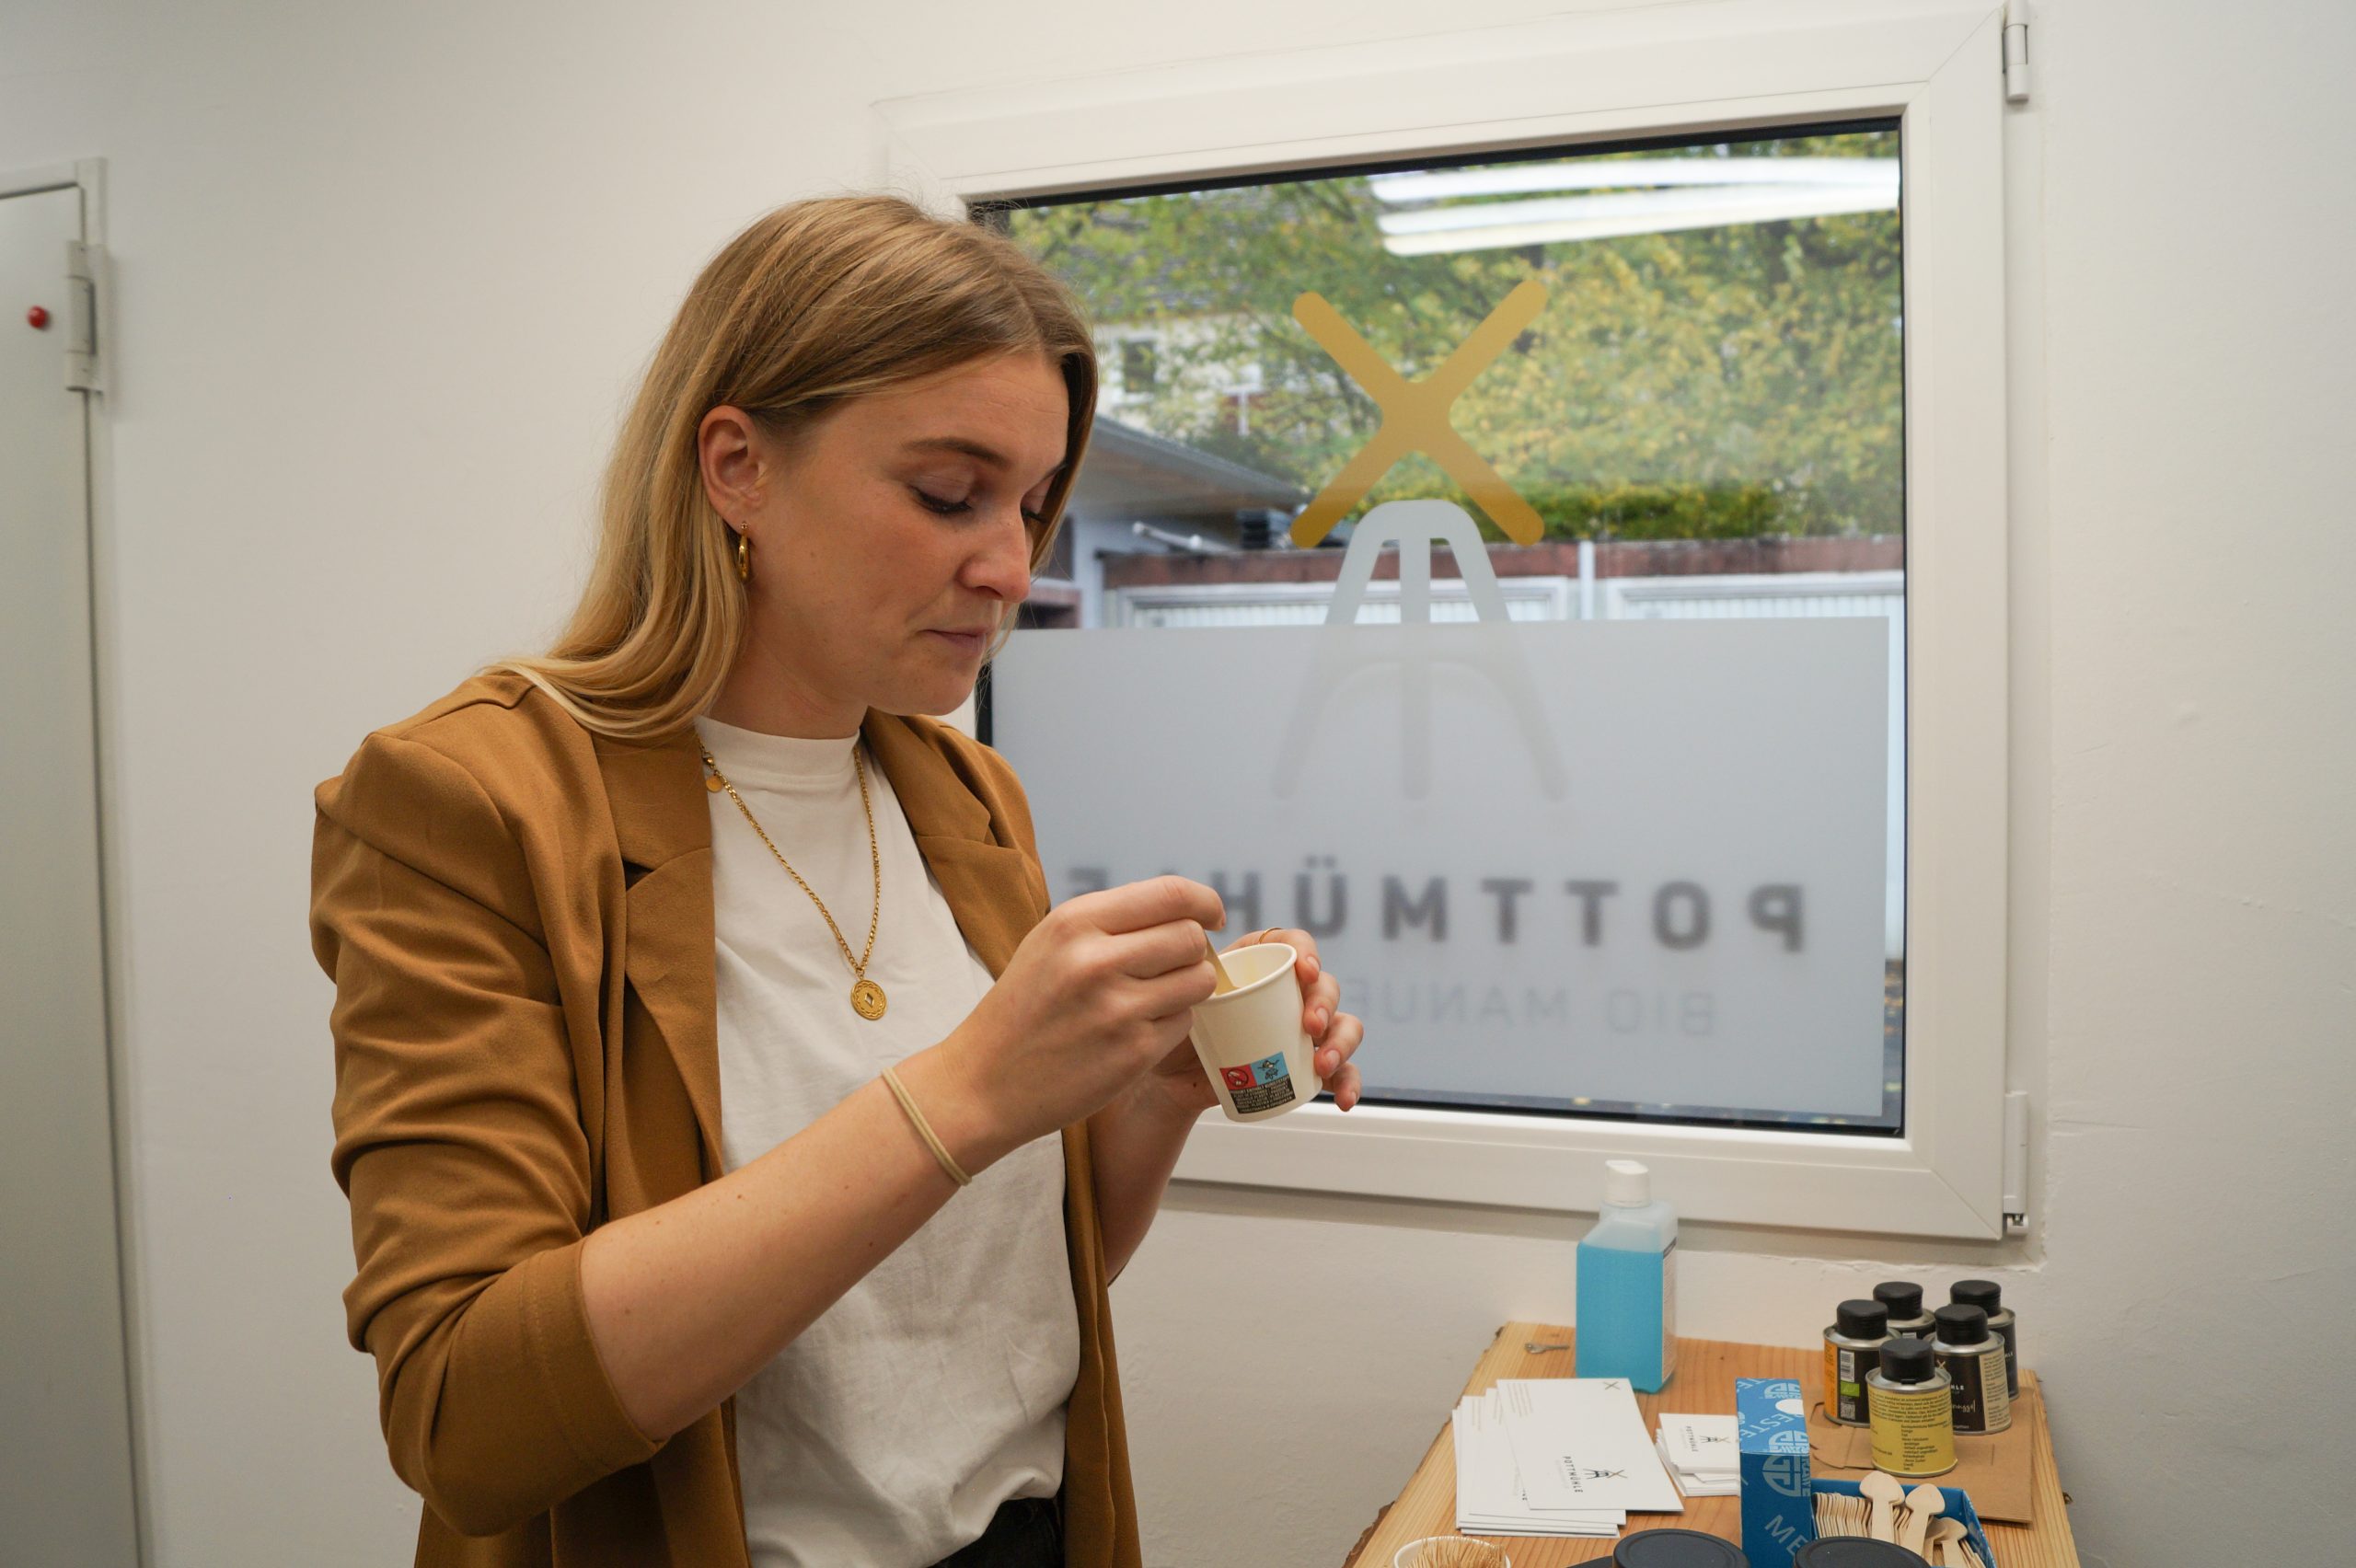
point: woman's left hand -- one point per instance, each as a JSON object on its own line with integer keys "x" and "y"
{"x": 1334, "y": 1035}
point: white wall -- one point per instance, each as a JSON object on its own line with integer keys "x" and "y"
{"x": 385, "y": 276}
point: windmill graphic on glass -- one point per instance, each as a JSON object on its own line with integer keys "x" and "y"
{"x": 1415, "y": 419}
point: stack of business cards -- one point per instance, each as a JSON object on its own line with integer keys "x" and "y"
{"x": 1555, "y": 1457}
{"x": 1701, "y": 1453}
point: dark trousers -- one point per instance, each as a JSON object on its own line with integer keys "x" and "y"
{"x": 1026, "y": 1532}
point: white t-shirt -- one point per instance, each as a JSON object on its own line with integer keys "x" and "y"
{"x": 887, "y": 1434}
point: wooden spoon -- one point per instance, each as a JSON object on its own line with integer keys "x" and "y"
{"x": 1226, "y": 982}
{"x": 1882, "y": 1489}
{"x": 1954, "y": 1543}
{"x": 1838, "y": 1513}
{"x": 1921, "y": 1504}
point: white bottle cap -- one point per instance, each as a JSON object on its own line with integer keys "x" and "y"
{"x": 1627, "y": 1183}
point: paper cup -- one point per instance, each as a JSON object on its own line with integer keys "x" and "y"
{"x": 1251, "y": 1040}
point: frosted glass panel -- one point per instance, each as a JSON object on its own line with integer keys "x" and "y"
{"x": 1627, "y": 863}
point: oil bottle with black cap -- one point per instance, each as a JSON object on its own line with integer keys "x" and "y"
{"x": 1903, "y": 1299}
{"x": 1913, "y": 1402}
{"x": 1989, "y": 1297}
{"x": 1851, "y": 1349}
{"x": 1975, "y": 1360}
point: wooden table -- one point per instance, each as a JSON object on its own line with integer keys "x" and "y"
{"x": 1704, "y": 1385}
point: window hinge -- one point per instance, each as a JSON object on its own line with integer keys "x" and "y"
{"x": 2016, "y": 51}
{"x": 83, "y": 261}
{"x": 2016, "y": 1160}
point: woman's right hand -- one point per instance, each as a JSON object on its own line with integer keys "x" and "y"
{"x": 1098, "y": 993}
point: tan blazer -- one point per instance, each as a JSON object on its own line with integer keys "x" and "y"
{"x": 517, "y": 915}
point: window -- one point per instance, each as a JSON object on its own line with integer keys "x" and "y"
{"x": 1701, "y": 856}
{"x": 1711, "y": 384}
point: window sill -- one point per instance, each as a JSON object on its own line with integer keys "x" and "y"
{"x": 1730, "y": 1175}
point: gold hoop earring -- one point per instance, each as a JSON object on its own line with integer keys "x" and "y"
{"x": 743, "y": 558}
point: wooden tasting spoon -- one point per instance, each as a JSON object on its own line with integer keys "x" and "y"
{"x": 1921, "y": 1504}
{"x": 1954, "y": 1543}
{"x": 1882, "y": 1490}
{"x": 1226, "y": 982}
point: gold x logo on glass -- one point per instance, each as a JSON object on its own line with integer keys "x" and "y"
{"x": 1414, "y": 416}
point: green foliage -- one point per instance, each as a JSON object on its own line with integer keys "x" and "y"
{"x": 1704, "y": 384}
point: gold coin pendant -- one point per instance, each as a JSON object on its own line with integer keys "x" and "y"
{"x": 867, "y": 1000}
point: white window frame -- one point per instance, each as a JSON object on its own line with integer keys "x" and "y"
{"x": 1653, "y": 70}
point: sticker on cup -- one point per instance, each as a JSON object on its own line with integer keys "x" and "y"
{"x": 1251, "y": 1042}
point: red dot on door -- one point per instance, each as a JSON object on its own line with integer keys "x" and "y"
{"x": 37, "y": 317}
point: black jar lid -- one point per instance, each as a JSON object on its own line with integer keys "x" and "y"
{"x": 1903, "y": 1297}
{"x": 1985, "y": 1294}
{"x": 1908, "y": 1361}
{"x": 1853, "y": 1552}
{"x": 1677, "y": 1549}
{"x": 1960, "y": 1325}
{"x": 1862, "y": 1319}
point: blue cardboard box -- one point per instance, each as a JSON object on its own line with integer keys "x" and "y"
{"x": 1778, "y": 1504}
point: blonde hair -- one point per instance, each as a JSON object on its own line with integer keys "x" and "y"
{"x": 819, "y": 302}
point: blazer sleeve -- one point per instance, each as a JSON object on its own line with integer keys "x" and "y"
{"x": 458, "y": 1141}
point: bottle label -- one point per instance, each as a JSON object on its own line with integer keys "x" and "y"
{"x": 1980, "y": 1402}
{"x": 1845, "y": 1371}
{"x": 1913, "y": 1433}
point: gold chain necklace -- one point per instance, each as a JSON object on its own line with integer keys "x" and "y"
{"x": 866, "y": 996}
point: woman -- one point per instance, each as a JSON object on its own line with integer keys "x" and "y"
{"x": 739, "y": 1147}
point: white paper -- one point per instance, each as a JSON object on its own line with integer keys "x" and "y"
{"x": 1489, "y": 1496}
{"x": 1701, "y": 1453}
{"x": 1581, "y": 1442}
{"x": 1706, "y": 1483}
{"x": 1709, "y": 1483}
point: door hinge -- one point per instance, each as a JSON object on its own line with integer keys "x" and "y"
{"x": 84, "y": 262}
{"x": 2015, "y": 1204}
{"x": 2016, "y": 51}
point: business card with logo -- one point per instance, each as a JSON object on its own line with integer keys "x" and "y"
{"x": 1703, "y": 1452}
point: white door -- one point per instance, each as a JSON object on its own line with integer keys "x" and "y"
{"x": 66, "y": 1459}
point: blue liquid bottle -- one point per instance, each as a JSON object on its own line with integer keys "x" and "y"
{"x": 1627, "y": 1283}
